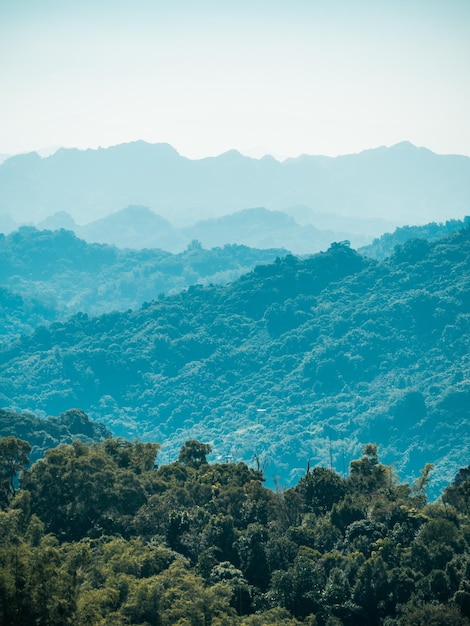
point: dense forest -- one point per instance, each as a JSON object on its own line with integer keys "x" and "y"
{"x": 103, "y": 534}
{"x": 45, "y": 434}
{"x": 299, "y": 359}
{"x": 49, "y": 275}
{"x": 384, "y": 246}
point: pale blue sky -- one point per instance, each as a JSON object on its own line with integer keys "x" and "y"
{"x": 278, "y": 77}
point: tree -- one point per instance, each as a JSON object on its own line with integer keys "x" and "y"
{"x": 139, "y": 457}
{"x": 321, "y": 488}
{"x": 193, "y": 453}
{"x": 13, "y": 458}
{"x": 432, "y": 615}
{"x": 458, "y": 493}
{"x": 77, "y": 488}
{"x": 251, "y": 547}
{"x": 367, "y": 474}
{"x": 372, "y": 590}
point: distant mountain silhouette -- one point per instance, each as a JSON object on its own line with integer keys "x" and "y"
{"x": 139, "y": 227}
{"x": 134, "y": 227}
{"x": 59, "y": 220}
{"x": 403, "y": 184}
{"x": 261, "y": 228}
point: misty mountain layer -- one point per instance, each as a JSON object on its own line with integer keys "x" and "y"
{"x": 403, "y": 184}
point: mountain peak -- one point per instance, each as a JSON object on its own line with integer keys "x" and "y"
{"x": 404, "y": 145}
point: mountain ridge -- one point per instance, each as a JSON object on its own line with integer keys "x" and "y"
{"x": 403, "y": 183}
{"x": 138, "y": 227}
{"x": 295, "y": 360}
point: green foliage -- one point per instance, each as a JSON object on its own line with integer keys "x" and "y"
{"x": 40, "y": 283}
{"x": 43, "y": 434}
{"x": 193, "y": 453}
{"x": 321, "y": 488}
{"x": 13, "y": 458}
{"x": 338, "y": 346}
{"x": 385, "y": 245}
{"x": 78, "y": 490}
{"x": 98, "y": 534}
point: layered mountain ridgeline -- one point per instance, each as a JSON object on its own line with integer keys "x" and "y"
{"x": 101, "y": 534}
{"x": 412, "y": 184}
{"x": 47, "y": 275}
{"x": 298, "y": 360}
{"x": 139, "y": 227}
{"x": 262, "y": 229}
{"x": 384, "y": 246}
{"x": 46, "y": 433}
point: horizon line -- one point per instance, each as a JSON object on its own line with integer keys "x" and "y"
{"x": 47, "y": 152}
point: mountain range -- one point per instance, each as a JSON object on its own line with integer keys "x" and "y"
{"x": 139, "y": 227}
{"x": 297, "y": 361}
{"x": 380, "y": 188}
{"x": 47, "y": 276}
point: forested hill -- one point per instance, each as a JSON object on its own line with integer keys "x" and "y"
{"x": 384, "y": 246}
{"x": 47, "y": 275}
{"x": 296, "y": 361}
{"x": 42, "y": 434}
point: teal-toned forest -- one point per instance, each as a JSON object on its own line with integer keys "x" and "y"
{"x": 47, "y": 275}
{"x": 301, "y": 359}
{"x": 206, "y": 457}
{"x": 102, "y": 533}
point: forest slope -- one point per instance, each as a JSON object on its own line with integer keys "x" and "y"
{"x": 48, "y": 275}
{"x": 384, "y": 246}
{"x": 43, "y": 434}
{"x": 298, "y": 360}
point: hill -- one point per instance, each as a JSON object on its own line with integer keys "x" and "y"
{"x": 298, "y": 360}
{"x": 384, "y": 246}
{"x": 139, "y": 227}
{"x": 261, "y": 228}
{"x": 134, "y": 227}
{"x": 46, "y": 433}
{"x": 49, "y": 275}
{"x": 403, "y": 183}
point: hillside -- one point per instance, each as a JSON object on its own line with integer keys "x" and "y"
{"x": 49, "y": 275}
{"x": 20, "y": 315}
{"x": 261, "y": 228}
{"x": 296, "y": 361}
{"x": 384, "y": 246}
{"x": 46, "y": 433}
{"x": 403, "y": 183}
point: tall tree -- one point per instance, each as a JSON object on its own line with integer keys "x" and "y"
{"x": 13, "y": 458}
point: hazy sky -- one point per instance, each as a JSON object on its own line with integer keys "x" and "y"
{"x": 280, "y": 77}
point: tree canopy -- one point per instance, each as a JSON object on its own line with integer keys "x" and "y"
{"x": 299, "y": 359}
{"x": 100, "y": 533}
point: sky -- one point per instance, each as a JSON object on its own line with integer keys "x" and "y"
{"x": 280, "y": 77}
